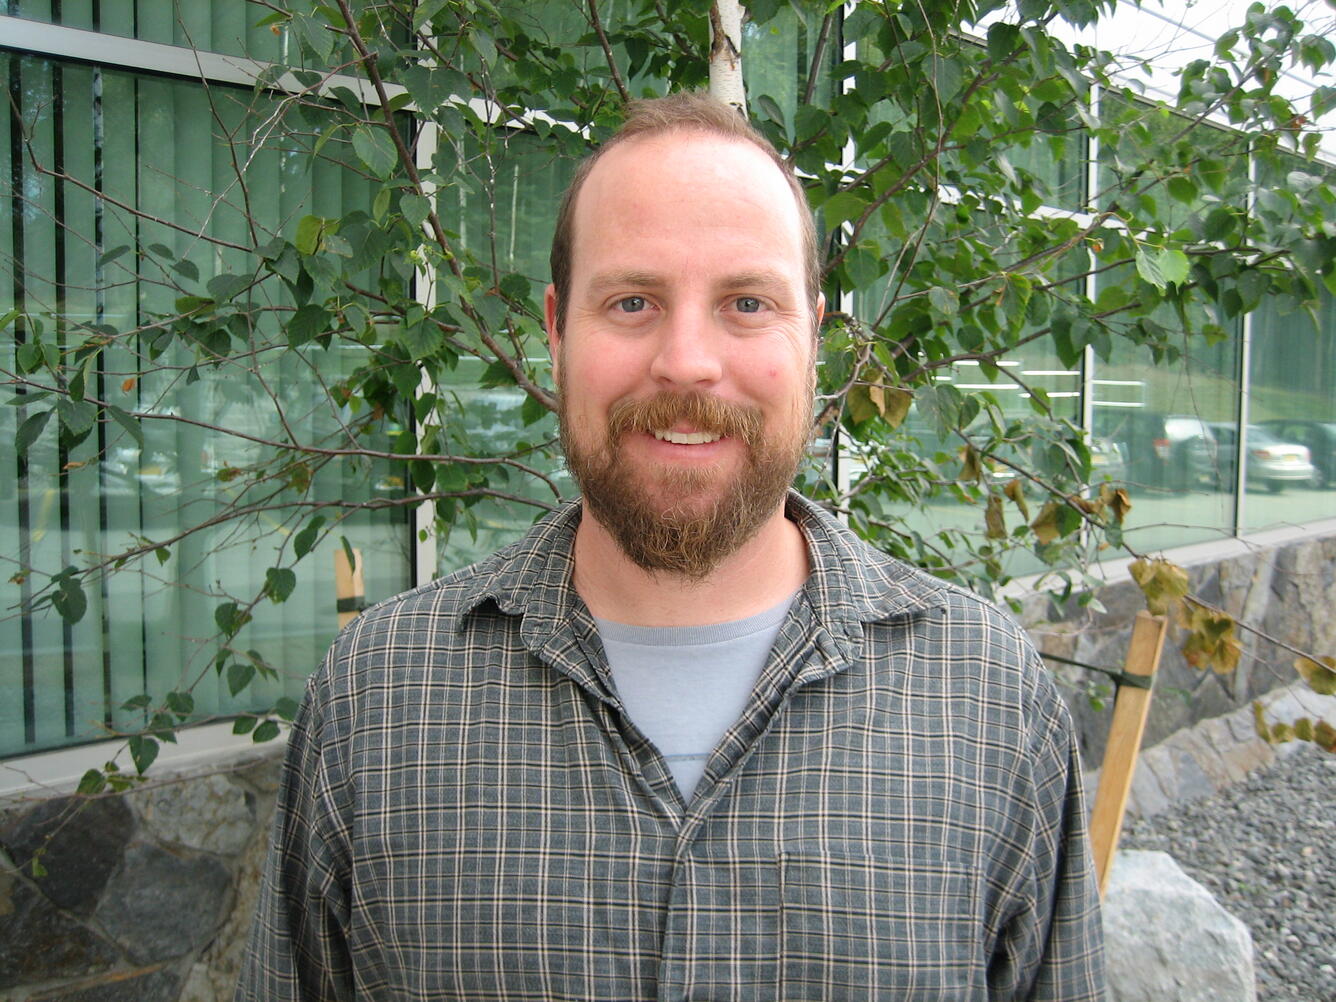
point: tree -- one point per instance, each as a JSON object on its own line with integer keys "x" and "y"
{"x": 933, "y": 138}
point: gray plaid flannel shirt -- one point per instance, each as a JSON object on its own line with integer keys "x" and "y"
{"x": 466, "y": 812}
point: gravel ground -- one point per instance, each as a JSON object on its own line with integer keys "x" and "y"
{"x": 1266, "y": 848}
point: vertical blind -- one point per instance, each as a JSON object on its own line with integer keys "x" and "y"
{"x": 162, "y": 152}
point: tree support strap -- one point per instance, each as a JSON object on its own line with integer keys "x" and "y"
{"x": 1119, "y": 675}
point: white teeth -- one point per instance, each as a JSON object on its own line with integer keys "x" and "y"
{"x": 686, "y": 437}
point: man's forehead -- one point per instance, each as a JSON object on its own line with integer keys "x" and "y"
{"x": 685, "y": 152}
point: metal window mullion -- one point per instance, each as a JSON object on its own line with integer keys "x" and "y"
{"x": 1088, "y": 362}
{"x": 1245, "y": 386}
{"x": 424, "y": 521}
{"x": 847, "y": 298}
{"x": 1088, "y": 353}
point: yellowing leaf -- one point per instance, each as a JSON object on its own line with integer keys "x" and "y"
{"x": 970, "y": 470}
{"x": 1163, "y": 583}
{"x": 995, "y": 526}
{"x": 869, "y": 400}
{"x": 1211, "y": 641}
{"x": 1324, "y": 736}
{"x": 1320, "y": 675}
{"x": 1045, "y": 525}
{"x": 896, "y": 406}
{"x": 1120, "y": 504}
{"x": 1015, "y": 489}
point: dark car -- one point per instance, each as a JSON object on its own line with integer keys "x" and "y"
{"x": 1318, "y": 436}
{"x": 1167, "y": 451}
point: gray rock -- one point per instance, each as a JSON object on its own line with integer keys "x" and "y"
{"x": 162, "y": 905}
{"x": 1166, "y": 937}
{"x": 80, "y": 840}
{"x": 214, "y": 976}
{"x": 208, "y": 812}
{"x": 40, "y": 942}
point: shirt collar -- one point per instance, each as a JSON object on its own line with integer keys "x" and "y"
{"x": 850, "y": 583}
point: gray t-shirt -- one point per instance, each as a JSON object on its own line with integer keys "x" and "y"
{"x": 684, "y": 686}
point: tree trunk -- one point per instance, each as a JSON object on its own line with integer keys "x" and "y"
{"x": 726, "y": 53}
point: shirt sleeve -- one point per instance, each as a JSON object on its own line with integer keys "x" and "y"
{"x": 298, "y": 943}
{"x": 1053, "y": 949}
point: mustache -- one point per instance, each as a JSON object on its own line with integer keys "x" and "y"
{"x": 703, "y": 411}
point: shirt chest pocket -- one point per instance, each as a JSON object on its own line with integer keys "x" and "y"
{"x": 862, "y": 927}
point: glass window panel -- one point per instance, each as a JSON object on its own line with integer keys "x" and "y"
{"x": 505, "y": 211}
{"x": 778, "y": 55}
{"x": 1163, "y": 413}
{"x": 161, "y": 146}
{"x": 1292, "y": 360}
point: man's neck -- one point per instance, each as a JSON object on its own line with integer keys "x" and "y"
{"x": 766, "y": 570}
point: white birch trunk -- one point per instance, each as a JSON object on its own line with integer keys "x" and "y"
{"x": 726, "y": 53}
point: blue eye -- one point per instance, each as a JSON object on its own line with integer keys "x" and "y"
{"x": 748, "y": 304}
{"x": 631, "y": 304}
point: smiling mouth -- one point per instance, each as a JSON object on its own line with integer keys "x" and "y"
{"x": 687, "y": 437}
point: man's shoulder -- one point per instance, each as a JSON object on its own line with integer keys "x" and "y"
{"x": 512, "y": 577}
{"x": 881, "y": 586}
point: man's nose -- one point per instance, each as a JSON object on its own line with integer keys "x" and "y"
{"x": 687, "y": 353}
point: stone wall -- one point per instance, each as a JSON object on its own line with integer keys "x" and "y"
{"x": 148, "y": 897}
{"x": 145, "y": 897}
{"x": 1288, "y": 592}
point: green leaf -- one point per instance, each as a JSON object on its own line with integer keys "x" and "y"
{"x": 1174, "y": 266}
{"x": 415, "y": 208}
{"x": 239, "y": 675}
{"x": 243, "y": 724}
{"x": 92, "y": 782}
{"x": 348, "y": 552}
{"x": 131, "y": 425}
{"x": 1182, "y": 189}
{"x": 381, "y": 204}
{"x": 30, "y": 356}
{"x": 267, "y": 731}
{"x": 278, "y": 583}
{"x": 286, "y": 707}
{"x": 106, "y": 257}
{"x": 376, "y": 150}
{"x": 309, "y": 230}
{"x": 1220, "y": 224}
{"x": 484, "y": 46}
{"x": 181, "y": 703}
{"x": 29, "y": 431}
{"x": 143, "y": 750}
{"x": 186, "y": 269}
{"x": 304, "y": 541}
{"x": 306, "y": 323}
{"x": 69, "y": 599}
{"x": 230, "y": 617}
{"x": 1003, "y": 40}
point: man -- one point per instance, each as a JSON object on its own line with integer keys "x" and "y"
{"x": 690, "y": 738}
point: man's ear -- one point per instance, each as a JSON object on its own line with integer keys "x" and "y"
{"x": 550, "y": 322}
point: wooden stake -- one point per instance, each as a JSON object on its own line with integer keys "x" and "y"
{"x": 349, "y": 588}
{"x": 1120, "y": 754}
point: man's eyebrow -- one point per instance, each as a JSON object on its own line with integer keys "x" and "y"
{"x": 625, "y": 279}
{"x": 762, "y": 279}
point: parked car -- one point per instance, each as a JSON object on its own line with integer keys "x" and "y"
{"x": 1167, "y": 451}
{"x": 1318, "y": 436}
{"x": 1270, "y": 462}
